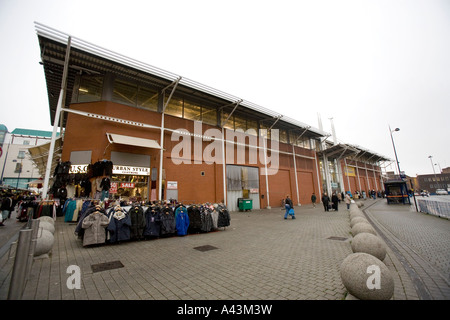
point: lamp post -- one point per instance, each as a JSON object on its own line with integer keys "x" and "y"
{"x": 395, "y": 152}
{"x": 432, "y": 165}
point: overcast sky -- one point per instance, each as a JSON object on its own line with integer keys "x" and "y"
{"x": 366, "y": 64}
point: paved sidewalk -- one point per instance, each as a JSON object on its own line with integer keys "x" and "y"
{"x": 260, "y": 256}
{"x": 421, "y": 243}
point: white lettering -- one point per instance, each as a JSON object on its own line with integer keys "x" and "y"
{"x": 74, "y": 281}
{"x": 374, "y": 281}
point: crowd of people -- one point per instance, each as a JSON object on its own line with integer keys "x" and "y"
{"x": 9, "y": 198}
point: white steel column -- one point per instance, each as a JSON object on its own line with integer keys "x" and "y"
{"x": 175, "y": 83}
{"x": 56, "y": 120}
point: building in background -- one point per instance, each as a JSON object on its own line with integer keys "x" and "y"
{"x": 17, "y": 167}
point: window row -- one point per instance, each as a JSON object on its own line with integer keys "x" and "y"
{"x": 90, "y": 88}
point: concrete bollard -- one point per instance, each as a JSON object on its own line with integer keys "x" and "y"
{"x": 44, "y": 244}
{"x": 47, "y": 219}
{"x": 369, "y": 243}
{"x": 355, "y": 220}
{"x": 47, "y": 226}
{"x": 366, "y": 277}
{"x": 362, "y": 227}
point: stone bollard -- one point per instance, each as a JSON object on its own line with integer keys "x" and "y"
{"x": 362, "y": 227}
{"x": 366, "y": 277}
{"x": 355, "y": 220}
{"x": 44, "y": 243}
{"x": 47, "y": 219}
{"x": 47, "y": 226}
{"x": 369, "y": 243}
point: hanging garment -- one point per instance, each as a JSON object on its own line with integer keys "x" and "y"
{"x": 224, "y": 216}
{"x": 195, "y": 220}
{"x": 94, "y": 227}
{"x": 167, "y": 221}
{"x": 152, "y": 222}
{"x": 207, "y": 222}
{"x": 119, "y": 226}
{"x": 181, "y": 221}
{"x": 137, "y": 217}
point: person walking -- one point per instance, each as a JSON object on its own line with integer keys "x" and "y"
{"x": 313, "y": 199}
{"x": 325, "y": 201}
{"x": 288, "y": 205}
{"x": 347, "y": 200}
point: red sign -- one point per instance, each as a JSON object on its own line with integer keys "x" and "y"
{"x": 125, "y": 185}
{"x": 113, "y": 188}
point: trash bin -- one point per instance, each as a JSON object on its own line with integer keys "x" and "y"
{"x": 245, "y": 204}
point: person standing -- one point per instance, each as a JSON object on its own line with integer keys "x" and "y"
{"x": 288, "y": 205}
{"x": 325, "y": 201}
{"x": 6, "y": 208}
{"x": 335, "y": 201}
{"x": 313, "y": 199}
{"x": 347, "y": 200}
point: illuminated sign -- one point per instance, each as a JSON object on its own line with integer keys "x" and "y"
{"x": 130, "y": 170}
{"x": 78, "y": 168}
{"x": 127, "y": 185}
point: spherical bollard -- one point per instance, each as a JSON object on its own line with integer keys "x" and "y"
{"x": 366, "y": 277}
{"x": 47, "y": 219}
{"x": 47, "y": 226}
{"x": 44, "y": 242}
{"x": 362, "y": 227}
{"x": 357, "y": 213}
{"x": 369, "y": 243}
{"x": 355, "y": 220}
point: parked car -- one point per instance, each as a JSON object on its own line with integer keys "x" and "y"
{"x": 424, "y": 193}
{"x": 441, "y": 191}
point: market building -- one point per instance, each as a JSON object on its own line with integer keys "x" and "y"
{"x": 169, "y": 137}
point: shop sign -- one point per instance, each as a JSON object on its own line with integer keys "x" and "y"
{"x": 78, "y": 168}
{"x": 172, "y": 185}
{"x": 113, "y": 188}
{"x": 254, "y": 190}
{"x": 130, "y": 170}
{"x": 127, "y": 185}
{"x": 350, "y": 171}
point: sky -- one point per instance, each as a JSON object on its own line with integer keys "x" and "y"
{"x": 367, "y": 65}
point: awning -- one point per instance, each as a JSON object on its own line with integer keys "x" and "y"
{"x": 132, "y": 141}
{"x": 39, "y": 155}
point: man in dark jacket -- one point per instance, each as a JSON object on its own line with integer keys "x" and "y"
{"x": 6, "y": 208}
{"x": 325, "y": 201}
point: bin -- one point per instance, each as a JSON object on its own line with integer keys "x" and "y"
{"x": 245, "y": 204}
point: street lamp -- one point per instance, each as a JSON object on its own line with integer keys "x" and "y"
{"x": 435, "y": 177}
{"x": 395, "y": 152}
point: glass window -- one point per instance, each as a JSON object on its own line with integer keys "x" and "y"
{"x": 209, "y": 115}
{"x": 283, "y": 136}
{"x": 147, "y": 98}
{"x": 230, "y": 122}
{"x": 21, "y": 155}
{"x": 192, "y": 111}
{"x": 252, "y": 127}
{"x": 18, "y": 168}
{"x": 240, "y": 123}
{"x": 124, "y": 93}
{"x": 90, "y": 89}
{"x": 175, "y": 107}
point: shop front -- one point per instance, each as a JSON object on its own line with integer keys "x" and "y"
{"x": 130, "y": 183}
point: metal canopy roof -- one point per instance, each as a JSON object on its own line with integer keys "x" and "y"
{"x": 92, "y": 59}
{"x": 338, "y": 151}
{"x": 375, "y": 157}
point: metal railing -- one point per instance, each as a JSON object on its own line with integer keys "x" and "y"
{"x": 437, "y": 208}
